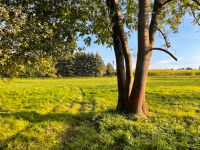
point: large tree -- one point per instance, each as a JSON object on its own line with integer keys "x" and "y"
{"x": 152, "y": 16}
{"x": 36, "y": 30}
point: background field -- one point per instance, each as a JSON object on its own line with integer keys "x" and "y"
{"x": 78, "y": 113}
{"x": 174, "y": 73}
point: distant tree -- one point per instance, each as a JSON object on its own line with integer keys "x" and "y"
{"x": 99, "y": 69}
{"x": 65, "y": 67}
{"x": 88, "y": 64}
{"x": 81, "y": 64}
{"x": 189, "y": 68}
{"x": 109, "y": 69}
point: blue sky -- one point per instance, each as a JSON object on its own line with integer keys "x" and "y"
{"x": 185, "y": 46}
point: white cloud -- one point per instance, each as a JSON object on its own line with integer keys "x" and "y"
{"x": 168, "y": 61}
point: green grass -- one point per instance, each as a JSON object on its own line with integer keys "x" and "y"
{"x": 174, "y": 73}
{"x": 79, "y": 114}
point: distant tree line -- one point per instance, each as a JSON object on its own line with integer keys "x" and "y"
{"x": 81, "y": 64}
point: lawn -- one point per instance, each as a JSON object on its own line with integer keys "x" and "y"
{"x": 78, "y": 113}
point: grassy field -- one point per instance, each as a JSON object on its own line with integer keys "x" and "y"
{"x": 174, "y": 73}
{"x": 79, "y": 114}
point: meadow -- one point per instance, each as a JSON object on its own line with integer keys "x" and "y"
{"x": 174, "y": 73}
{"x": 79, "y": 113}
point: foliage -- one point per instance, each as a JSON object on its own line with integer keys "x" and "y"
{"x": 43, "y": 67}
{"x": 36, "y": 29}
{"x": 49, "y": 28}
{"x": 79, "y": 114}
{"x": 65, "y": 67}
{"x": 88, "y": 64}
{"x": 110, "y": 70}
{"x": 81, "y": 64}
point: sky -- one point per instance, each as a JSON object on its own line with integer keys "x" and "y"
{"x": 185, "y": 46}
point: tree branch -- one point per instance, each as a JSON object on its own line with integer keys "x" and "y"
{"x": 163, "y": 50}
{"x": 191, "y": 5}
{"x": 197, "y": 2}
{"x": 154, "y": 22}
{"x": 167, "y": 1}
{"x": 165, "y": 38}
{"x": 195, "y": 17}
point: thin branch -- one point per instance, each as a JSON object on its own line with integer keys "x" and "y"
{"x": 195, "y": 18}
{"x": 165, "y": 38}
{"x": 154, "y": 21}
{"x": 191, "y": 5}
{"x": 197, "y": 2}
{"x": 163, "y": 50}
{"x": 167, "y": 1}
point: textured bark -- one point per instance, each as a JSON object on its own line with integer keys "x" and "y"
{"x": 146, "y": 39}
{"x": 120, "y": 73}
{"x": 132, "y": 97}
{"x": 122, "y": 51}
{"x": 124, "y": 42}
{"x": 120, "y": 61}
{"x": 117, "y": 21}
{"x": 136, "y": 103}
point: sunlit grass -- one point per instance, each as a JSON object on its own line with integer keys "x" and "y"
{"x": 174, "y": 73}
{"x": 78, "y": 113}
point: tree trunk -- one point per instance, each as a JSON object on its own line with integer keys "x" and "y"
{"x": 122, "y": 52}
{"x": 146, "y": 39}
{"x": 136, "y": 103}
{"x": 124, "y": 43}
{"x": 132, "y": 97}
{"x": 120, "y": 73}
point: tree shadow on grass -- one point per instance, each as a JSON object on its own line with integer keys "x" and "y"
{"x": 33, "y": 118}
{"x": 82, "y": 121}
{"x": 84, "y": 134}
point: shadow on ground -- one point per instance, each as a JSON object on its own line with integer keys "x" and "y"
{"x": 80, "y": 125}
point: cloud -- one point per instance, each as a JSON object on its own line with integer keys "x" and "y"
{"x": 168, "y": 61}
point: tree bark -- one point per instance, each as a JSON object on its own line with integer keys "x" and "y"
{"x": 146, "y": 39}
{"x": 132, "y": 96}
{"x": 123, "y": 56}
{"x": 120, "y": 73}
{"x": 136, "y": 103}
{"x": 124, "y": 43}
